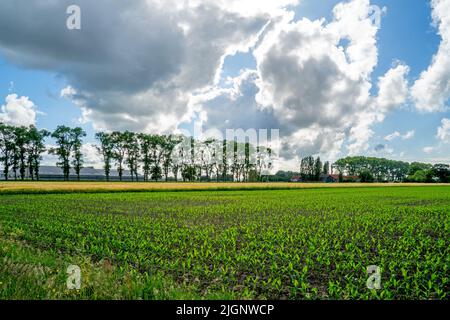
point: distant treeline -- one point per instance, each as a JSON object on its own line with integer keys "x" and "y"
{"x": 156, "y": 157}
{"x": 367, "y": 169}
{"x": 370, "y": 169}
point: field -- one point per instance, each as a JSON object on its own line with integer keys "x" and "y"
{"x": 292, "y": 243}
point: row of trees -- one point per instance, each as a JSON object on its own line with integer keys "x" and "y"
{"x": 156, "y": 157}
{"x": 159, "y": 156}
{"x": 21, "y": 150}
{"x": 69, "y": 142}
{"x": 152, "y": 157}
{"x": 371, "y": 169}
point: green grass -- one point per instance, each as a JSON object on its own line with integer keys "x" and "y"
{"x": 279, "y": 244}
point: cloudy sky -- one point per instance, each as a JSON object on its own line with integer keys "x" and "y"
{"x": 336, "y": 78}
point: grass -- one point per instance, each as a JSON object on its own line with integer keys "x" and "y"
{"x": 265, "y": 244}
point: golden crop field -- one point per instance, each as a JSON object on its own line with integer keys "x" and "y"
{"x": 64, "y": 187}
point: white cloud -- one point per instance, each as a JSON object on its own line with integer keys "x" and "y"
{"x": 393, "y": 88}
{"x": 68, "y": 92}
{"x": 141, "y": 61}
{"x": 429, "y": 149}
{"x": 443, "y": 133}
{"x": 432, "y": 90}
{"x": 91, "y": 156}
{"x": 409, "y": 135}
{"x": 18, "y": 111}
{"x": 313, "y": 81}
{"x": 392, "y": 92}
{"x": 313, "y": 78}
{"x": 394, "y": 135}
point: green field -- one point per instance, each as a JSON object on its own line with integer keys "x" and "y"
{"x": 261, "y": 244}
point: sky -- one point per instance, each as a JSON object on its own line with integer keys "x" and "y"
{"x": 336, "y": 78}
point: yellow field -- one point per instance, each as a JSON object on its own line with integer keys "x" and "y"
{"x": 44, "y": 187}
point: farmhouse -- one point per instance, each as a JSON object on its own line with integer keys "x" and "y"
{"x": 329, "y": 178}
{"x": 333, "y": 178}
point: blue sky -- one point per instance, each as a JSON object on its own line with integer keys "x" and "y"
{"x": 406, "y": 36}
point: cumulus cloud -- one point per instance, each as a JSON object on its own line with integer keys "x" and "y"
{"x": 134, "y": 64}
{"x": 235, "y": 107}
{"x": 315, "y": 77}
{"x": 393, "y": 88}
{"x": 432, "y": 90}
{"x": 313, "y": 82}
{"x": 443, "y": 133}
{"x": 392, "y": 92}
{"x": 159, "y": 64}
{"x": 18, "y": 111}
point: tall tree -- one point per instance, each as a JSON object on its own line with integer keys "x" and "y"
{"x": 132, "y": 153}
{"x": 6, "y": 148}
{"x": 145, "y": 147}
{"x": 64, "y": 140}
{"x": 189, "y": 172}
{"x": 311, "y": 170}
{"x": 249, "y": 160}
{"x": 119, "y": 151}
{"x": 21, "y": 139}
{"x": 206, "y": 157}
{"x": 35, "y": 149}
{"x": 227, "y": 157}
{"x": 77, "y": 135}
{"x": 326, "y": 168}
{"x": 308, "y": 169}
{"x": 157, "y": 150}
{"x": 169, "y": 144}
{"x": 15, "y": 156}
{"x": 317, "y": 169}
{"x": 106, "y": 149}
